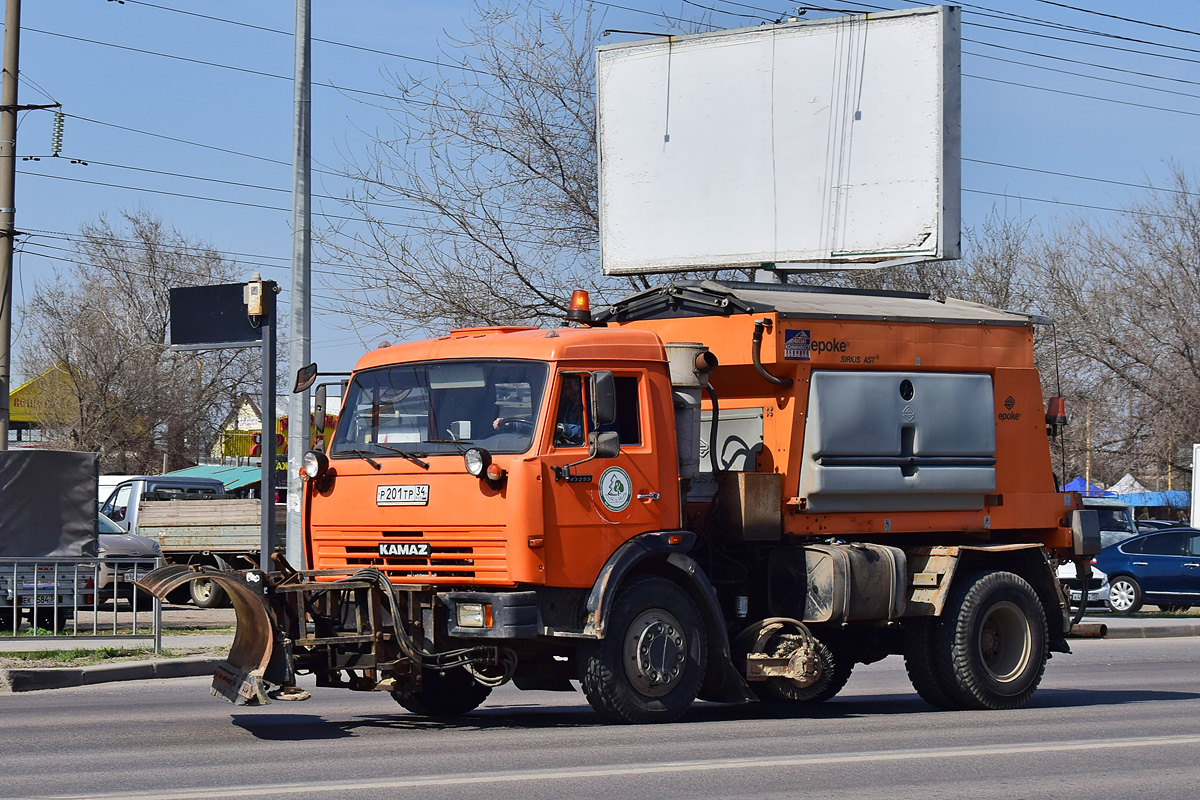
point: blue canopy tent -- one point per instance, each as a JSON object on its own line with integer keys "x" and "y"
{"x": 1086, "y": 489}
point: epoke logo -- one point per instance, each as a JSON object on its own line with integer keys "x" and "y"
{"x": 1010, "y": 404}
{"x": 616, "y": 490}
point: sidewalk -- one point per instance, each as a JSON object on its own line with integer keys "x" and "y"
{"x": 26, "y": 680}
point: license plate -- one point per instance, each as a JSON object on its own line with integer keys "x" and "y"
{"x": 419, "y": 549}
{"x": 402, "y": 495}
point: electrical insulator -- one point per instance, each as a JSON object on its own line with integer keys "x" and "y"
{"x": 57, "y": 136}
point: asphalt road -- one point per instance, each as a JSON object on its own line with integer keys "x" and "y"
{"x": 1116, "y": 719}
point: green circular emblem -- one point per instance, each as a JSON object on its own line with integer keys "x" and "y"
{"x": 616, "y": 490}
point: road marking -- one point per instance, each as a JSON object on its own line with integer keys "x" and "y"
{"x": 344, "y": 787}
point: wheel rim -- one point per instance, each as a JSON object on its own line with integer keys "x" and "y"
{"x": 655, "y": 652}
{"x": 204, "y": 589}
{"x": 1120, "y": 596}
{"x": 1005, "y": 642}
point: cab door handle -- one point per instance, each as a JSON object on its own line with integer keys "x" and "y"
{"x": 648, "y": 496}
{"x": 1141, "y": 563}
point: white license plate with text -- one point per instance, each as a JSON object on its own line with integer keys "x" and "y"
{"x": 402, "y": 495}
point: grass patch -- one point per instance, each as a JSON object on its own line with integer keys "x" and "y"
{"x": 87, "y": 656}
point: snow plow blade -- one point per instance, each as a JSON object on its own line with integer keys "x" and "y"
{"x": 239, "y": 679}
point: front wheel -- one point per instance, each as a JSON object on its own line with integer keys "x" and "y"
{"x": 1124, "y": 595}
{"x": 449, "y": 693}
{"x": 650, "y": 664}
{"x": 992, "y": 642}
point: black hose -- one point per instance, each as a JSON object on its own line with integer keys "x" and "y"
{"x": 1083, "y": 572}
{"x": 756, "y": 354}
{"x": 712, "y": 429}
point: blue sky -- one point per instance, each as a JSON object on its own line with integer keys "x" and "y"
{"x": 193, "y": 116}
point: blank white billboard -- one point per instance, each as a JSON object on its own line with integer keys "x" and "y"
{"x": 834, "y": 140}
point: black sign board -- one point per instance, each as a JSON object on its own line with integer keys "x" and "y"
{"x": 211, "y": 317}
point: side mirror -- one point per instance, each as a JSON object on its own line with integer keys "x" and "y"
{"x": 604, "y": 398}
{"x": 305, "y": 377}
{"x": 604, "y": 444}
{"x": 319, "y": 408}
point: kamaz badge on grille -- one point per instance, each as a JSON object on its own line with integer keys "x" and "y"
{"x": 403, "y": 548}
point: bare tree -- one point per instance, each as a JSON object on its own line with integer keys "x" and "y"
{"x": 492, "y": 168}
{"x": 102, "y": 330}
{"x": 1127, "y": 298}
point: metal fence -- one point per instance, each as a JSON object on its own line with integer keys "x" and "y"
{"x": 78, "y": 598}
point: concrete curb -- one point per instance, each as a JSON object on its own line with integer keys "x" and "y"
{"x": 1152, "y": 631}
{"x": 31, "y": 680}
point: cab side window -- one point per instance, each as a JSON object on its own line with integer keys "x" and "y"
{"x": 118, "y": 502}
{"x": 629, "y": 414}
{"x": 568, "y": 421}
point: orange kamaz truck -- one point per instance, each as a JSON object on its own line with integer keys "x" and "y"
{"x": 728, "y": 491}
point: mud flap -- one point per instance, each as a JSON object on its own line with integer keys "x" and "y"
{"x": 239, "y": 679}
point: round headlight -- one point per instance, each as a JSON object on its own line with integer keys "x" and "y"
{"x": 313, "y": 464}
{"x": 477, "y": 460}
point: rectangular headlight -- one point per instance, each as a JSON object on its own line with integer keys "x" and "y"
{"x": 470, "y": 615}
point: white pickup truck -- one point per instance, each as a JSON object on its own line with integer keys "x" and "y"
{"x": 194, "y": 522}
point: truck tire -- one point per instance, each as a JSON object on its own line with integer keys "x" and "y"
{"x": 206, "y": 594}
{"x": 992, "y": 642}
{"x": 920, "y": 642}
{"x": 650, "y": 664}
{"x": 451, "y": 693}
{"x": 835, "y": 672}
{"x": 1124, "y": 595}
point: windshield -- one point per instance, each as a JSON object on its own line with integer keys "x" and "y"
{"x": 441, "y": 407}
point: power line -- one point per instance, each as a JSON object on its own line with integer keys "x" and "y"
{"x": 1085, "y": 96}
{"x": 1081, "y": 177}
{"x": 333, "y": 42}
{"x": 1081, "y": 75}
{"x": 1077, "y": 205}
{"x": 1099, "y": 45}
{"x": 1120, "y": 18}
{"x": 1083, "y": 63}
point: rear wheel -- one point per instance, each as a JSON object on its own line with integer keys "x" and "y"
{"x": 992, "y": 642}
{"x": 450, "y": 693}
{"x": 205, "y": 593}
{"x": 1124, "y": 595}
{"x": 920, "y": 643}
{"x": 649, "y": 666}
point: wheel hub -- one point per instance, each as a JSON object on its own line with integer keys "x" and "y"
{"x": 1121, "y": 596}
{"x": 1005, "y": 642}
{"x": 655, "y": 651}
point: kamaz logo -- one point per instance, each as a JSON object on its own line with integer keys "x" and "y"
{"x": 403, "y": 548}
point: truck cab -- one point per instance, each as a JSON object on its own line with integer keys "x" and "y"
{"x": 402, "y": 493}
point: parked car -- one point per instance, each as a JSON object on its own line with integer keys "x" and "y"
{"x": 1097, "y": 587}
{"x": 1161, "y": 567}
{"x": 115, "y": 579}
{"x": 1147, "y": 525}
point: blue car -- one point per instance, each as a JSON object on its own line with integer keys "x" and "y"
{"x": 1161, "y": 567}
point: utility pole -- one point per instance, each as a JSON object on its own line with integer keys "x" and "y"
{"x": 8, "y": 182}
{"x": 299, "y": 342}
